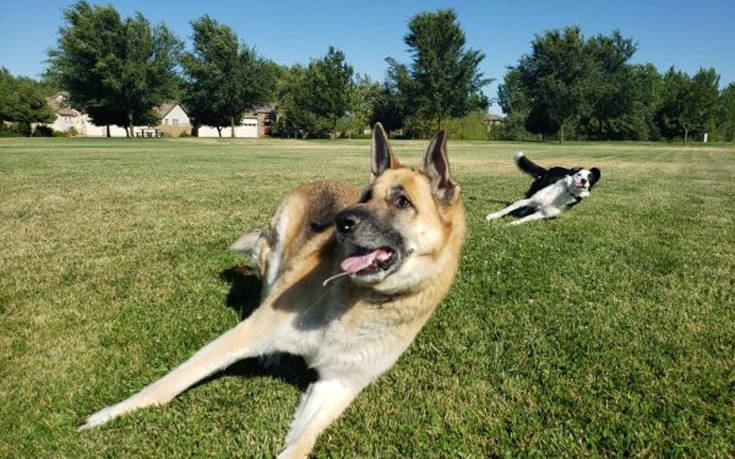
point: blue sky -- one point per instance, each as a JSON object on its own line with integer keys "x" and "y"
{"x": 686, "y": 34}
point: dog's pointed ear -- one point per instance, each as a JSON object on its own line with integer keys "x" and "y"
{"x": 381, "y": 156}
{"x": 436, "y": 166}
{"x": 596, "y": 174}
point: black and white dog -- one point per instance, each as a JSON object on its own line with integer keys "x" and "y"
{"x": 552, "y": 192}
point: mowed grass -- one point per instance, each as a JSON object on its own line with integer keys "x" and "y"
{"x": 609, "y": 331}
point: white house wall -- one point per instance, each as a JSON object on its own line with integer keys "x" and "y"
{"x": 176, "y": 117}
{"x": 247, "y": 129}
{"x": 63, "y": 123}
{"x": 92, "y": 130}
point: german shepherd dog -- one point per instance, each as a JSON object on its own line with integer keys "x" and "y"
{"x": 390, "y": 255}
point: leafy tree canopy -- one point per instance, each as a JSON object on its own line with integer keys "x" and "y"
{"x": 117, "y": 70}
{"x": 223, "y": 76}
{"x": 443, "y": 78}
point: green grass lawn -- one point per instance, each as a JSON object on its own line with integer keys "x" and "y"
{"x": 609, "y": 331}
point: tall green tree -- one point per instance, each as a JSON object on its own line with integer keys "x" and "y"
{"x": 443, "y": 80}
{"x": 387, "y": 109}
{"x": 330, "y": 87}
{"x": 7, "y": 88}
{"x": 514, "y": 102}
{"x": 689, "y": 104}
{"x": 115, "y": 70}
{"x": 22, "y": 101}
{"x": 705, "y": 94}
{"x": 224, "y": 77}
{"x": 29, "y": 105}
{"x": 726, "y": 113}
{"x": 611, "y": 82}
{"x": 314, "y": 99}
{"x": 673, "y": 114}
{"x": 555, "y": 77}
{"x": 364, "y": 96}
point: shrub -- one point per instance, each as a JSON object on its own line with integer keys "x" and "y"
{"x": 7, "y": 132}
{"x": 474, "y": 126}
{"x": 42, "y": 131}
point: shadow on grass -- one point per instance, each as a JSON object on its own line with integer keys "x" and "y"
{"x": 244, "y": 297}
{"x": 244, "y": 294}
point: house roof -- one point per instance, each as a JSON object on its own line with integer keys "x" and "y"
{"x": 59, "y": 103}
{"x": 166, "y": 107}
{"x": 494, "y": 117}
{"x": 265, "y": 108}
{"x": 58, "y": 100}
{"x": 66, "y": 111}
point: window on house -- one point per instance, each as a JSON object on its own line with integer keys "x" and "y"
{"x": 165, "y": 121}
{"x": 175, "y": 122}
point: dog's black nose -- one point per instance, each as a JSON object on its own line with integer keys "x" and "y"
{"x": 346, "y": 221}
{"x": 583, "y": 180}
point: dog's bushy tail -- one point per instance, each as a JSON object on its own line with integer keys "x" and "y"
{"x": 528, "y": 166}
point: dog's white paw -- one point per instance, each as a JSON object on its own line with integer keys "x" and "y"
{"x": 289, "y": 453}
{"x": 98, "y": 418}
{"x": 492, "y": 216}
{"x": 515, "y": 223}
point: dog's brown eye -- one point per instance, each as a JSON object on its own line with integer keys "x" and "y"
{"x": 401, "y": 201}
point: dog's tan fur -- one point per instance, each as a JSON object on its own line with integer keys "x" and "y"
{"x": 355, "y": 328}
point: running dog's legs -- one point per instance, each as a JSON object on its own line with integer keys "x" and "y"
{"x": 507, "y": 210}
{"x": 534, "y": 216}
{"x": 546, "y": 212}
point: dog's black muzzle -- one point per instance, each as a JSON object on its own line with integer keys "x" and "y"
{"x": 349, "y": 219}
{"x": 361, "y": 231}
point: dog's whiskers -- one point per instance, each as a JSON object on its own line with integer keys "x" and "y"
{"x": 329, "y": 279}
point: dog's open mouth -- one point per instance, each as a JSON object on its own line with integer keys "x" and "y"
{"x": 362, "y": 261}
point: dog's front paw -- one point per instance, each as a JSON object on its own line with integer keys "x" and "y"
{"x": 492, "y": 216}
{"x": 97, "y": 419}
{"x": 290, "y": 453}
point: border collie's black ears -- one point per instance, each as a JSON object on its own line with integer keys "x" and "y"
{"x": 381, "y": 156}
{"x": 436, "y": 166}
{"x": 596, "y": 174}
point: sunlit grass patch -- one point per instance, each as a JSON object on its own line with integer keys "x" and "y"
{"x": 608, "y": 331}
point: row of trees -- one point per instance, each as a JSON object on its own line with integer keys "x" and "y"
{"x": 569, "y": 85}
{"x": 119, "y": 69}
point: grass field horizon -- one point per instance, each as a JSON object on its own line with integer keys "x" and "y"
{"x": 609, "y": 331}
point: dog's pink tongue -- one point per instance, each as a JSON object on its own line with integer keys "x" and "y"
{"x": 357, "y": 263}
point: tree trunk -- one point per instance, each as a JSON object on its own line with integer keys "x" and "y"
{"x": 561, "y": 132}
{"x": 686, "y": 133}
{"x": 107, "y": 128}
{"x": 130, "y": 123}
{"x": 232, "y": 126}
{"x": 219, "y": 131}
{"x": 334, "y": 130}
